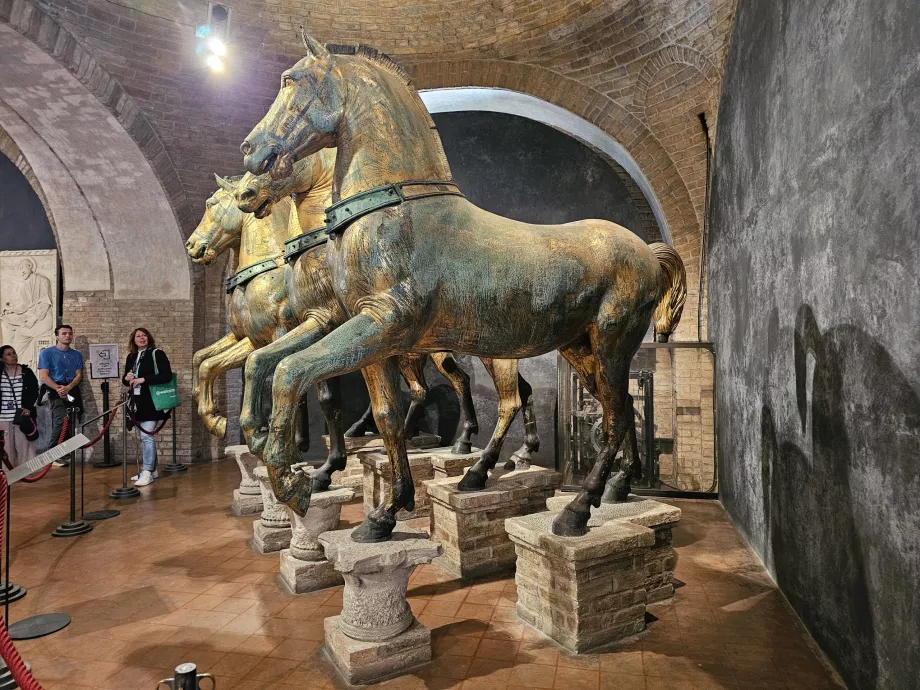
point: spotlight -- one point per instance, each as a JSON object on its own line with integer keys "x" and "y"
{"x": 215, "y": 63}
{"x": 217, "y": 46}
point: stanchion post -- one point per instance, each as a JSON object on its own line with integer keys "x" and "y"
{"x": 125, "y": 491}
{"x": 107, "y": 460}
{"x": 174, "y": 465}
{"x": 73, "y": 527}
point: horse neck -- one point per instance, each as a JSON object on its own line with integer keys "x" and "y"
{"x": 264, "y": 238}
{"x": 386, "y": 135}
{"x": 312, "y": 197}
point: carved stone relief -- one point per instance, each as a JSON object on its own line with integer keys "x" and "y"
{"x": 28, "y": 301}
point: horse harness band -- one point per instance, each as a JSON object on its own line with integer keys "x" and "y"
{"x": 345, "y": 212}
{"x": 293, "y": 248}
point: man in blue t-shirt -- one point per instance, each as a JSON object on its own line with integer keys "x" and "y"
{"x": 60, "y": 368}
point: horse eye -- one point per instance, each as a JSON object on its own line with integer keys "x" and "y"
{"x": 286, "y": 81}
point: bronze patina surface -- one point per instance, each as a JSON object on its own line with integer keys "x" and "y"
{"x": 439, "y": 273}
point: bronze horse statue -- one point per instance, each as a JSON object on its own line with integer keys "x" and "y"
{"x": 421, "y": 269}
{"x": 259, "y": 194}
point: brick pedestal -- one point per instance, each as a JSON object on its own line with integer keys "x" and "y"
{"x": 425, "y": 465}
{"x": 376, "y": 636}
{"x": 304, "y": 567}
{"x": 660, "y": 559}
{"x": 272, "y": 531}
{"x": 471, "y": 525}
{"x": 352, "y": 476}
{"x": 247, "y": 499}
{"x": 589, "y": 591}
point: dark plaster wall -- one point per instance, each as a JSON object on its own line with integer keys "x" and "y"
{"x": 529, "y": 171}
{"x": 815, "y": 311}
{"x": 23, "y": 223}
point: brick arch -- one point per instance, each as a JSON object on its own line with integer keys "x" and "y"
{"x": 677, "y": 54}
{"x": 41, "y": 28}
{"x": 596, "y": 108}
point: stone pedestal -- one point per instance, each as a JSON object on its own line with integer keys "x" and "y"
{"x": 247, "y": 499}
{"x": 588, "y": 591}
{"x": 272, "y": 531}
{"x": 376, "y": 636}
{"x": 304, "y": 567}
{"x": 352, "y": 476}
{"x": 425, "y": 465}
{"x": 471, "y": 525}
{"x": 660, "y": 559}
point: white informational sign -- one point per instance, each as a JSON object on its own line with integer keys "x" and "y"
{"x": 103, "y": 360}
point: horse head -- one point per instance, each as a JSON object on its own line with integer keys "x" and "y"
{"x": 303, "y": 119}
{"x": 258, "y": 194}
{"x": 221, "y": 226}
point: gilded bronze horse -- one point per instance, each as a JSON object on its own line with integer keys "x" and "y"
{"x": 259, "y": 194}
{"x": 421, "y": 269}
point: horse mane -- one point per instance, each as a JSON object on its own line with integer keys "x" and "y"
{"x": 390, "y": 65}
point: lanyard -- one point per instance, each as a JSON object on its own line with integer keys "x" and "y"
{"x": 137, "y": 362}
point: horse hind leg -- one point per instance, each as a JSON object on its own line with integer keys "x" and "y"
{"x": 618, "y": 486}
{"x": 504, "y": 374}
{"x": 460, "y": 381}
{"x": 329, "y": 393}
{"x": 412, "y": 367}
{"x": 523, "y": 456}
{"x": 363, "y": 425}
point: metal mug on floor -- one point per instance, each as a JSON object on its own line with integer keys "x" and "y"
{"x": 187, "y": 678}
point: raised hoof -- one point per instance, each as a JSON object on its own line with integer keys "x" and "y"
{"x": 257, "y": 441}
{"x": 571, "y": 523}
{"x": 617, "y": 489}
{"x": 462, "y": 448}
{"x": 220, "y": 427}
{"x": 374, "y": 530}
{"x": 510, "y": 465}
{"x": 473, "y": 480}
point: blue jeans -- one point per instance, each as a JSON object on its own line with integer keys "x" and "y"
{"x": 148, "y": 445}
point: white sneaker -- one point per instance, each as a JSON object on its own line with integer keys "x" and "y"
{"x": 156, "y": 475}
{"x": 145, "y": 478}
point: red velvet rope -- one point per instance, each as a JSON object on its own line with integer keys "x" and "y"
{"x": 155, "y": 431}
{"x": 23, "y": 677}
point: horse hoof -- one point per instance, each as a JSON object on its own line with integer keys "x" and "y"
{"x": 617, "y": 489}
{"x": 462, "y": 448}
{"x": 510, "y": 465}
{"x": 473, "y": 480}
{"x": 220, "y": 427}
{"x": 374, "y": 530}
{"x": 571, "y": 523}
{"x": 321, "y": 482}
{"x": 257, "y": 442}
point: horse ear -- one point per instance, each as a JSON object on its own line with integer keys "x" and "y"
{"x": 226, "y": 185}
{"x": 314, "y": 47}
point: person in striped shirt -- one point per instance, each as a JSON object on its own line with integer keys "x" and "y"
{"x": 18, "y": 395}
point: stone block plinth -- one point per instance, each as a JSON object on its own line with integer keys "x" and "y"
{"x": 247, "y": 499}
{"x": 272, "y": 531}
{"x": 661, "y": 518}
{"x": 376, "y": 636}
{"x": 352, "y": 476}
{"x": 471, "y": 525}
{"x": 584, "y": 592}
{"x": 425, "y": 465}
{"x": 304, "y": 567}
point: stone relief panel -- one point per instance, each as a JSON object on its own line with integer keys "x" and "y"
{"x": 28, "y": 301}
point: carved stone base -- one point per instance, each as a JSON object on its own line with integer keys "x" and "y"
{"x": 304, "y": 567}
{"x": 589, "y": 591}
{"x": 660, "y": 559}
{"x": 269, "y": 538}
{"x": 247, "y": 499}
{"x": 425, "y": 465}
{"x": 371, "y": 662}
{"x": 245, "y": 504}
{"x": 376, "y": 636}
{"x": 471, "y": 525}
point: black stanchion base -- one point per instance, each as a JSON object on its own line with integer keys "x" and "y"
{"x": 13, "y": 593}
{"x": 39, "y": 626}
{"x": 101, "y": 515}
{"x": 6, "y": 677}
{"x": 174, "y": 467}
{"x": 106, "y": 464}
{"x": 72, "y": 529}
{"x": 125, "y": 492}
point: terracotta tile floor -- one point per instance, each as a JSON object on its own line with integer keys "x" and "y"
{"x": 173, "y": 579}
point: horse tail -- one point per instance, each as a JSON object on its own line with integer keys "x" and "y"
{"x": 673, "y": 290}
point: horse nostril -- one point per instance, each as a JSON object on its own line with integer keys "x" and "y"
{"x": 245, "y": 148}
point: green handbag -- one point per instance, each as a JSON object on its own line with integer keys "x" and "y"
{"x": 165, "y": 395}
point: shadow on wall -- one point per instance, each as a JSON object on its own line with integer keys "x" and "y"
{"x": 843, "y": 517}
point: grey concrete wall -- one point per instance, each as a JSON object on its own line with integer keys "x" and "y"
{"x": 815, "y": 311}
{"x": 529, "y": 171}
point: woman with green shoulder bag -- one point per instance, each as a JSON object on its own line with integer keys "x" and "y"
{"x": 146, "y": 367}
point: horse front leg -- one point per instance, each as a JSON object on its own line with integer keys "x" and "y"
{"x": 363, "y": 425}
{"x": 208, "y": 372}
{"x": 358, "y": 343}
{"x": 523, "y": 456}
{"x": 460, "y": 381}
{"x": 260, "y": 366}
{"x": 329, "y": 392}
{"x": 619, "y": 484}
{"x": 504, "y": 374}
{"x": 204, "y": 353}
